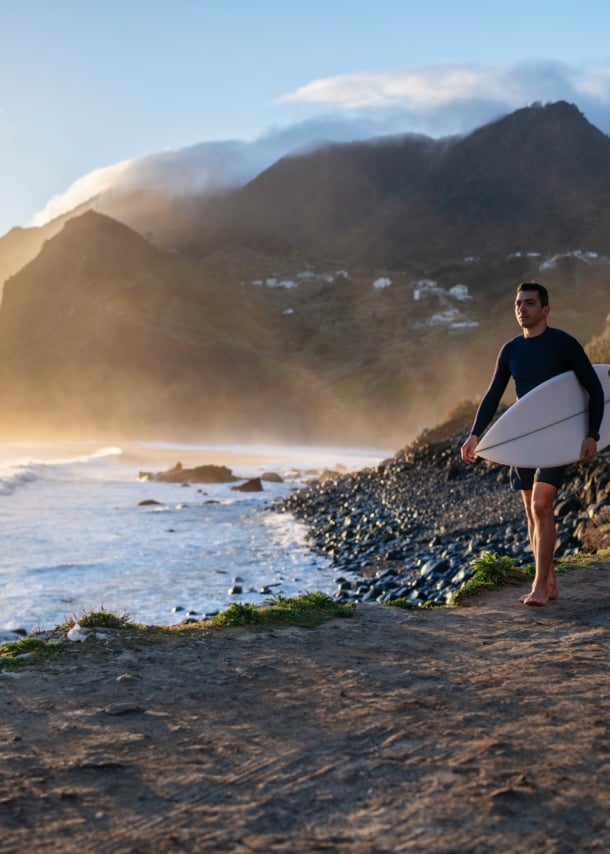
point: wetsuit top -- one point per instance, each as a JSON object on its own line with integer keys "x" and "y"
{"x": 531, "y": 361}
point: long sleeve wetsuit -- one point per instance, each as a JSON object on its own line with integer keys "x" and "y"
{"x": 532, "y": 361}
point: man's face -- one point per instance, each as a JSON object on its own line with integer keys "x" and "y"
{"x": 529, "y": 310}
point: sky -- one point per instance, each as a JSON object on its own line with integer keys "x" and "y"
{"x": 197, "y": 94}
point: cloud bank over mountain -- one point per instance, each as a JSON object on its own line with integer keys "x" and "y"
{"x": 453, "y": 97}
{"x": 437, "y": 100}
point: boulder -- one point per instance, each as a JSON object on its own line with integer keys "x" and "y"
{"x": 252, "y": 485}
{"x": 199, "y": 474}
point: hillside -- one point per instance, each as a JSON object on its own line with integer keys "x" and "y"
{"x": 337, "y": 297}
{"x": 104, "y": 332}
{"x": 121, "y": 336}
{"x": 538, "y": 178}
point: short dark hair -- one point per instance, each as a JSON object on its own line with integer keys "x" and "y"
{"x": 534, "y": 286}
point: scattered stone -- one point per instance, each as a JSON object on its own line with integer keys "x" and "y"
{"x": 101, "y": 763}
{"x": 199, "y": 474}
{"x": 148, "y": 502}
{"x": 126, "y": 677}
{"x": 235, "y": 590}
{"x": 272, "y": 477}
{"x": 121, "y": 709}
{"x": 411, "y": 527}
{"x": 78, "y": 633}
{"x": 252, "y": 485}
{"x": 8, "y": 635}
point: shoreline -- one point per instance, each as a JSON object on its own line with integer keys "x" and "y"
{"x": 149, "y": 560}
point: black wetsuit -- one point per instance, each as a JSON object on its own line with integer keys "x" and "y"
{"x": 532, "y": 361}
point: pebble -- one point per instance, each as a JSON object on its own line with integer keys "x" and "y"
{"x": 410, "y": 528}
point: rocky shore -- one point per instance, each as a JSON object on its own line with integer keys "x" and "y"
{"x": 410, "y": 528}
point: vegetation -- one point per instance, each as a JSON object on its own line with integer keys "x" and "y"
{"x": 459, "y": 418}
{"x": 596, "y": 536}
{"x": 583, "y": 559}
{"x": 490, "y": 572}
{"x": 101, "y": 619}
{"x": 30, "y": 650}
{"x": 598, "y": 349}
{"x": 307, "y": 610}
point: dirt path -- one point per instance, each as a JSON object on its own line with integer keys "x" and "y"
{"x": 483, "y": 728}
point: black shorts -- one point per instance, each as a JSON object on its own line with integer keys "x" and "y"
{"x": 521, "y": 478}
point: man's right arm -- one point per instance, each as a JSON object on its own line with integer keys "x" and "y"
{"x": 487, "y": 407}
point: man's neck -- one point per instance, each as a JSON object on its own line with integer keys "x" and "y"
{"x": 535, "y": 331}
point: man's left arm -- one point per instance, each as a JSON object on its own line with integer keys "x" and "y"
{"x": 587, "y": 377}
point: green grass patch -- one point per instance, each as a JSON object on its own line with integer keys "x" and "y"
{"x": 31, "y": 650}
{"x": 491, "y": 571}
{"x": 307, "y": 610}
{"x": 101, "y": 619}
{"x": 583, "y": 559}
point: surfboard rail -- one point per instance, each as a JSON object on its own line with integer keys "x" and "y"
{"x": 546, "y": 426}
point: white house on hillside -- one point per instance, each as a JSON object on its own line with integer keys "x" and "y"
{"x": 460, "y": 292}
{"x": 425, "y": 287}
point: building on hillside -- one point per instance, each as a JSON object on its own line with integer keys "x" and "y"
{"x": 460, "y": 292}
{"x": 381, "y": 283}
{"x": 426, "y": 287}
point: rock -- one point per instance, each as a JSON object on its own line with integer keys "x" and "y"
{"x": 235, "y": 590}
{"x": 410, "y": 517}
{"x": 126, "y": 677}
{"x": 199, "y": 474}
{"x": 252, "y": 485}
{"x": 78, "y": 633}
{"x": 148, "y": 502}
{"x": 272, "y": 477}
{"x": 8, "y": 635}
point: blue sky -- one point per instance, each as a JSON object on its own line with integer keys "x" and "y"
{"x": 86, "y": 84}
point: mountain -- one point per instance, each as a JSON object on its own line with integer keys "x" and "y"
{"x": 354, "y": 294}
{"x": 104, "y": 332}
{"x": 20, "y": 245}
{"x": 536, "y": 179}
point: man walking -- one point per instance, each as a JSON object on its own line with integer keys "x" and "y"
{"x": 540, "y": 353}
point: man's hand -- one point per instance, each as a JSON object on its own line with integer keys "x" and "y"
{"x": 588, "y": 449}
{"x": 469, "y": 447}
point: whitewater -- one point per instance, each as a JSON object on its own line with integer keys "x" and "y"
{"x": 75, "y": 535}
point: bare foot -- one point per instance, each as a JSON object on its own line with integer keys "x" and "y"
{"x": 552, "y": 591}
{"x": 537, "y": 600}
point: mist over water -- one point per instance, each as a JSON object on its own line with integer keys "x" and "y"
{"x": 76, "y": 538}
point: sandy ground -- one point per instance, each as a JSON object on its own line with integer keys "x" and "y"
{"x": 482, "y": 728}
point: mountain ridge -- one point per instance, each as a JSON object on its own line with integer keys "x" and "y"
{"x": 536, "y": 178}
{"x": 335, "y": 301}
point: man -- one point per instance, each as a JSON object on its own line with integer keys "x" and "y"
{"x": 540, "y": 353}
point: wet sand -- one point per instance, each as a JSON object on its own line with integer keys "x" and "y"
{"x": 475, "y": 729}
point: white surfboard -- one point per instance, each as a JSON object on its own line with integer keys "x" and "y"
{"x": 546, "y": 427}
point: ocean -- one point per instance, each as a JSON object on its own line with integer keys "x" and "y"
{"x": 75, "y": 536}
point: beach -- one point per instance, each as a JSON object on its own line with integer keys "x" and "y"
{"x": 471, "y": 729}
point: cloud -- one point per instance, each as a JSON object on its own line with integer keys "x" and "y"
{"x": 438, "y": 100}
{"x": 447, "y": 97}
{"x": 207, "y": 167}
